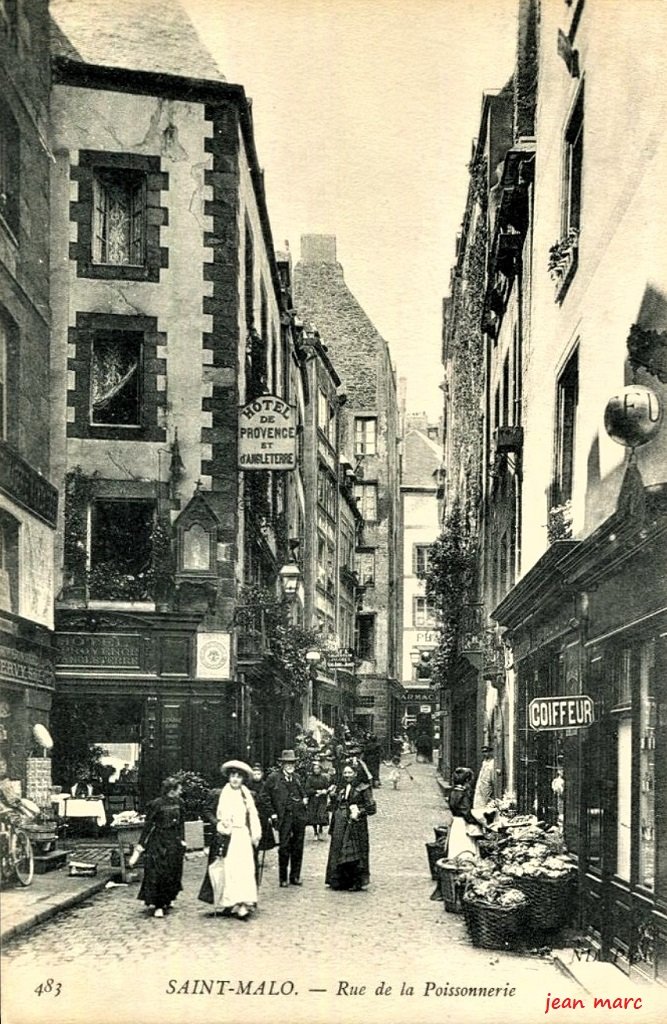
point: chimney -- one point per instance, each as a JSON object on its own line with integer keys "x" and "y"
{"x": 318, "y": 249}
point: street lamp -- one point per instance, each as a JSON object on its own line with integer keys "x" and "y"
{"x": 290, "y": 577}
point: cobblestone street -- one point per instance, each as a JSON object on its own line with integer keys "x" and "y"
{"x": 311, "y": 937}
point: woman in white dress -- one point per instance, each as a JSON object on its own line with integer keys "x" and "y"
{"x": 229, "y": 883}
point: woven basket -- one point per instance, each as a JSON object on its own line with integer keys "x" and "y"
{"x": 491, "y": 926}
{"x": 550, "y": 902}
{"x": 434, "y": 852}
{"x": 451, "y": 888}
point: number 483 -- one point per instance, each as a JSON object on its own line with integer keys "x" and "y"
{"x": 48, "y": 988}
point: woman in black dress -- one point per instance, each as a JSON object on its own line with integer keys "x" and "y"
{"x": 316, "y": 787}
{"x": 163, "y": 846}
{"x": 348, "y": 866}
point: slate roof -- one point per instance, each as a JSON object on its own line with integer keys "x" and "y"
{"x": 140, "y": 35}
{"x": 421, "y": 459}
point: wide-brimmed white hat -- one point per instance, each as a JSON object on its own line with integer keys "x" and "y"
{"x": 239, "y": 766}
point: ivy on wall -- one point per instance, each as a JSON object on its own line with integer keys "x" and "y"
{"x": 450, "y": 585}
{"x": 284, "y": 668}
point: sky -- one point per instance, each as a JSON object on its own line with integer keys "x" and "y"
{"x": 365, "y": 112}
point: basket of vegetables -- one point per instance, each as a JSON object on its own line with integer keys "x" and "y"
{"x": 451, "y": 875}
{"x": 494, "y": 913}
{"x": 545, "y": 876}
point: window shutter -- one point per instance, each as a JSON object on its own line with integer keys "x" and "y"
{"x": 138, "y": 224}
{"x": 99, "y": 218}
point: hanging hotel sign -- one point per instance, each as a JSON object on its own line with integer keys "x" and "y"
{"x": 267, "y": 434}
{"x": 549, "y": 713}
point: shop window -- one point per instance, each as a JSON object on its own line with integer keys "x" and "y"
{"x": 115, "y": 378}
{"x": 10, "y": 163}
{"x": 421, "y": 554}
{"x": 365, "y": 435}
{"x": 120, "y": 570}
{"x": 647, "y": 756}
{"x": 9, "y": 563}
{"x": 624, "y": 797}
{"x": 366, "y": 496}
{"x": 567, "y": 401}
{"x": 573, "y": 167}
{"x": 366, "y": 637}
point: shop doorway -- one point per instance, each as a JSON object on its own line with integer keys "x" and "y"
{"x": 98, "y": 743}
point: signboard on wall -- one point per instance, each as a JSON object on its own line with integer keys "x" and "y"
{"x": 546, "y": 714}
{"x": 267, "y": 434}
{"x": 214, "y": 655}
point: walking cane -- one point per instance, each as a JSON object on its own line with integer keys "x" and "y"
{"x": 260, "y": 867}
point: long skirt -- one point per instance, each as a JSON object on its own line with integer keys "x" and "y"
{"x": 317, "y": 813}
{"x": 459, "y": 840}
{"x": 348, "y": 865}
{"x": 231, "y": 879}
{"x": 163, "y": 869}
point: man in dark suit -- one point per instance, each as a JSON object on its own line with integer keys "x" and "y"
{"x": 288, "y": 802}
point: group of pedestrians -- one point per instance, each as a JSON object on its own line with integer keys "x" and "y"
{"x": 249, "y": 815}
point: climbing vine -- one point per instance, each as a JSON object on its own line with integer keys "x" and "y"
{"x": 450, "y": 584}
{"x": 284, "y": 669}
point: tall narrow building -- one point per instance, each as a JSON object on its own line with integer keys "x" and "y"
{"x": 369, "y": 431}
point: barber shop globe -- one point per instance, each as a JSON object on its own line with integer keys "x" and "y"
{"x": 633, "y": 416}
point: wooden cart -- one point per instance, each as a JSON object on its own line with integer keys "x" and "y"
{"x": 128, "y": 837}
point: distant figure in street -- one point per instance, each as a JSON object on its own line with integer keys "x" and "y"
{"x": 411, "y": 732}
{"x": 424, "y": 745}
{"x": 288, "y": 802}
{"x": 485, "y": 789}
{"x": 163, "y": 845}
{"x": 396, "y": 768}
{"x": 230, "y": 881}
{"x": 465, "y": 828}
{"x": 316, "y": 787}
{"x": 397, "y": 746}
{"x": 348, "y": 865}
{"x": 373, "y": 756}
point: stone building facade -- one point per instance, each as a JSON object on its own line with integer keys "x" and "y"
{"x": 369, "y": 431}
{"x": 28, "y": 501}
{"x": 167, "y": 316}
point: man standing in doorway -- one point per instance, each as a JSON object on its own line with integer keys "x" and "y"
{"x": 485, "y": 789}
{"x": 288, "y": 801}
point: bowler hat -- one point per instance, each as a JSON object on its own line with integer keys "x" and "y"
{"x": 487, "y": 750}
{"x": 287, "y": 755}
{"x": 354, "y": 748}
{"x": 238, "y": 766}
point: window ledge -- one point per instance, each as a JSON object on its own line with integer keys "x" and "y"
{"x": 122, "y": 606}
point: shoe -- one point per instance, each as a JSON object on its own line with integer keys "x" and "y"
{"x": 295, "y": 881}
{"x": 242, "y": 912}
{"x": 283, "y": 885}
{"x": 159, "y": 912}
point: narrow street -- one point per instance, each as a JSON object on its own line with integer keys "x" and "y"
{"x": 310, "y": 938}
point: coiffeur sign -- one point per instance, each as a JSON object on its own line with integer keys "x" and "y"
{"x": 267, "y": 434}
{"x": 548, "y": 713}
